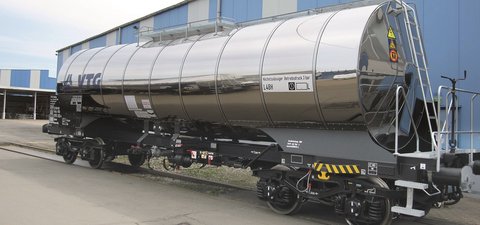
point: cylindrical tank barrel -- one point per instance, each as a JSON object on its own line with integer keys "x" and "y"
{"x": 321, "y": 70}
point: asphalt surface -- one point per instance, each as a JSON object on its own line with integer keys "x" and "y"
{"x": 39, "y": 191}
{"x": 27, "y": 132}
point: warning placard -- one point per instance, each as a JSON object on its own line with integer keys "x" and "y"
{"x": 393, "y": 55}
{"x": 392, "y": 44}
{"x": 287, "y": 83}
{"x": 391, "y": 34}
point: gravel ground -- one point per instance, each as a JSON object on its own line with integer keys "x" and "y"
{"x": 227, "y": 175}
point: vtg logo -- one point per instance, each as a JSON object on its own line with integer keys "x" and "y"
{"x": 85, "y": 80}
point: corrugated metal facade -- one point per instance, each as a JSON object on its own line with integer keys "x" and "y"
{"x": 25, "y": 93}
{"x": 35, "y": 80}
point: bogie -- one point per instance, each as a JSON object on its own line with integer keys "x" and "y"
{"x": 63, "y": 148}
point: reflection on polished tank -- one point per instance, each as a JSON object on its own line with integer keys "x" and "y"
{"x": 323, "y": 71}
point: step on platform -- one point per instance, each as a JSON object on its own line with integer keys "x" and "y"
{"x": 408, "y": 209}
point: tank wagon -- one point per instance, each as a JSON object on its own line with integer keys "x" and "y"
{"x": 332, "y": 107}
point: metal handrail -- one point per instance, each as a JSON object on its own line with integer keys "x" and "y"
{"x": 186, "y": 27}
{"x": 443, "y": 133}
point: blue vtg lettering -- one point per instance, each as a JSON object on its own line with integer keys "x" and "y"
{"x": 84, "y": 80}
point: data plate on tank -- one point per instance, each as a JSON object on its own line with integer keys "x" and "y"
{"x": 287, "y": 83}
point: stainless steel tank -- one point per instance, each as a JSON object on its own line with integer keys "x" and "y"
{"x": 325, "y": 70}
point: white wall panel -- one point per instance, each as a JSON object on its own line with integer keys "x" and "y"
{"x": 112, "y": 38}
{"x": 198, "y": 10}
{"x": 85, "y": 45}
{"x": 278, "y": 7}
{"x": 5, "y": 78}
{"x": 35, "y": 79}
{"x": 146, "y": 23}
{"x": 66, "y": 54}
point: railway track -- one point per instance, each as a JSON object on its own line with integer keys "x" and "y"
{"x": 46, "y": 154}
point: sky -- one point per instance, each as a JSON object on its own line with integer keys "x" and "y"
{"x": 32, "y": 30}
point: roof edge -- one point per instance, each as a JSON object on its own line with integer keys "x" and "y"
{"x": 127, "y": 24}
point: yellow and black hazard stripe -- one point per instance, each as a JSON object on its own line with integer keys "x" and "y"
{"x": 324, "y": 169}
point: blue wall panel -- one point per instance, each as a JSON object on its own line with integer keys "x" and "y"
{"x": 20, "y": 78}
{"x": 129, "y": 34}
{"x": 75, "y": 48}
{"x": 212, "y": 9}
{"x": 98, "y": 42}
{"x": 441, "y": 37}
{"x": 227, "y": 9}
{"x": 242, "y": 10}
{"x": 311, "y": 4}
{"x": 47, "y": 82}
{"x": 306, "y": 4}
{"x": 59, "y": 60}
{"x": 323, "y": 3}
{"x": 469, "y": 47}
{"x": 171, "y": 18}
{"x": 255, "y": 9}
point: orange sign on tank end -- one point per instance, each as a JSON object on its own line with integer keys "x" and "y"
{"x": 393, "y": 55}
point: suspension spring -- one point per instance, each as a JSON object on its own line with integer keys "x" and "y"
{"x": 339, "y": 202}
{"x": 375, "y": 209}
{"x": 261, "y": 189}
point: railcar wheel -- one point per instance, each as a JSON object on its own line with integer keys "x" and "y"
{"x": 68, "y": 155}
{"x": 97, "y": 158}
{"x": 167, "y": 165}
{"x": 284, "y": 201}
{"x": 382, "y": 210}
{"x": 280, "y": 198}
{"x": 136, "y": 160}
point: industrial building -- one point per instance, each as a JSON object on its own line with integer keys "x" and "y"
{"x": 450, "y": 30}
{"x": 25, "y": 93}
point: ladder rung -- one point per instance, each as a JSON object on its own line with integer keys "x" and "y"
{"x": 412, "y": 23}
{"x": 419, "y": 53}
{"x": 422, "y": 69}
{"x": 416, "y": 38}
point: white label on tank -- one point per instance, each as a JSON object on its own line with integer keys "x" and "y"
{"x": 146, "y": 104}
{"x": 287, "y": 83}
{"x": 131, "y": 103}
